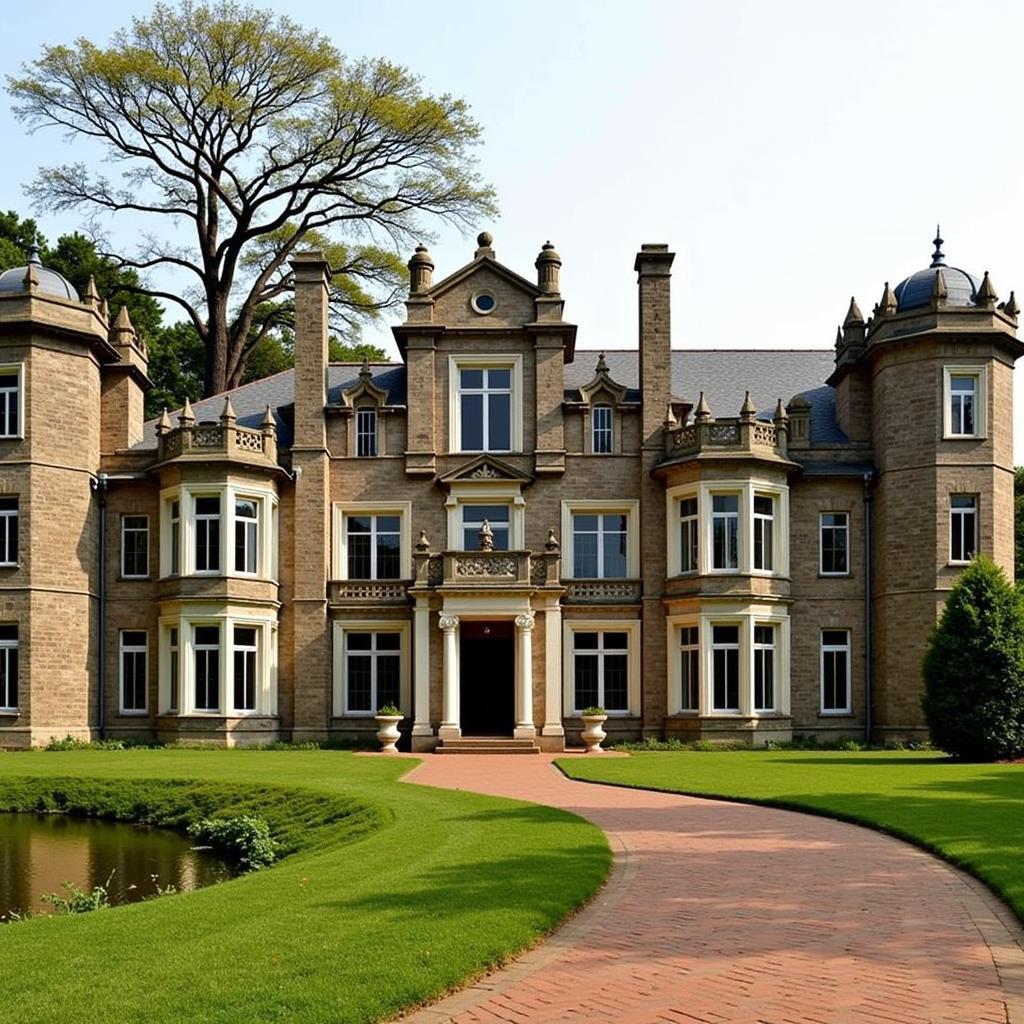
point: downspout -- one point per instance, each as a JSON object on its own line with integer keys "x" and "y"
{"x": 99, "y": 484}
{"x": 868, "y": 645}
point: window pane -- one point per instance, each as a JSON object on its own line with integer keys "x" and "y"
{"x": 358, "y": 680}
{"x": 585, "y": 641}
{"x": 688, "y": 507}
{"x": 614, "y": 555}
{"x": 208, "y": 506}
{"x": 472, "y": 425}
{"x": 499, "y": 378}
{"x": 584, "y": 522}
{"x": 616, "y": 641}
{"x": 207, "y": 635}
{"x": 389, "y": 690}
{"x": 763, "y": 506}
{"x": 586, "y": 680}
{"x": 389, "y": 557}
{"x": 726, "y": 634}
{"x": 359, "y": 547}
{"x": 834, "y": 637}
{"x": 388, "y": 641}
{"x": 584, "y": 554}
{"x": 8, "y": 633}
{"x": 359, "y": 641}
{"x": 499, "y": 423}
{"x": 471, "y": 378}
{"x": 725, "y": 503}
{"x": 616, "y": 685}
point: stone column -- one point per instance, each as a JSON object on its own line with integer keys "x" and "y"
{"x": 421, "y": 674}
{"x": 525, "y": 729}
{"x": 553, "y": 672}
{"x": 450, "y": 729}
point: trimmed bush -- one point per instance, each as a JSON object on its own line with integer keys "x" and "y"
{"x": 974, "y": 668}
{"x": 245, "y": 840}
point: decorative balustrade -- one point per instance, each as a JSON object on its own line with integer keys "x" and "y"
{"x": 602, "y": 591}
{"x": 489, "y": 569}
{"x": 369, "y": 591}
{"x": 206, "y": 439}
{"x": 738, "y": 436}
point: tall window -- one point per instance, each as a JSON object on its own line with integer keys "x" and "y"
{"x": 689, "y": 646}
{"x": 245, "y": 650}
{"x": 834, "y": 530}
{"x": 247, "y": 534}
{"x": 9, "y": 668}
{"x": 764, "y": 668}
{"x": 599, "y": 546}
{"x": 134, "y": 546}
{"x": 725, "y": 668}
{"x": 764, "y": 532}
{"x": 835, "y": 670}
{"x": 963, "y": 404}
{"x": 963, "y": 527}
{"x": 473, "y": 517}
{"x": 485, "y": 409}
{"x": 133, "y": 670}
{"x": 175, "y": 524}
{"x": 206, "y": 647}
{"x": 688, "y": 535}
{"x": 208, "y": 534}
{"x": 725, "y": 531}
{"x": 373, "y": 663}
{"x": 366, "y": 432}
{"x": 374, "y": 547}
{"x": 173, "y": 669}
{"x": 601, "y": 670}
{"x": 601, "y": 427}
{"x": 10, "y": 386}
{"x": 8, "y": 531}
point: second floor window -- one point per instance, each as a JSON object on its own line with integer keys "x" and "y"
{"x": 963, "y": 527}
{"x": 135, "y": 546}
{"x": 963, "y": 403}
{"x": 485, "y": 409}
{"x": 8, "y": 531}
{"x": 10, "y": 403}
{"x": 601, "y": 439}
{"x": 764, "y": 532}
{"x": 247, "y": 534}
{"x": 688, "y": 535}
{"x": 175, "y": 525}
{"x": 374, "y": 548}
{"x": 208, "y": 534}
{"x": 725, "y": 531}
{"x": 599, "y": 546}
{"x": 834, "y": 528}
{"x": 366, "y": 433}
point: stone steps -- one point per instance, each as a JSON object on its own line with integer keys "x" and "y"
{"x": 487, "y": 745}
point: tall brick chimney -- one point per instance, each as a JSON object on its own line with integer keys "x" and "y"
{"x": 654, "y": 277}
{"x": 312, "y": 277}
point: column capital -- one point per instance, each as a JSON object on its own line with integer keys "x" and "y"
{"x": 525, "y": 621}
{"x": 448, "y": 623}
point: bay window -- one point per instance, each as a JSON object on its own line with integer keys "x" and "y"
{"x": 689, "y": 666}
{"x": 764, "y": 532}
{"x": 725, "y": 532}
{"x": 207, "y": 534}
{"x": 247, "y": 535}
{"x": 206, "y": 667}
{"x": 245, "y": 652}
{"x": 725, "y": 668}
{"x": 688, "y": 535}
{"x": 764, "y": 668}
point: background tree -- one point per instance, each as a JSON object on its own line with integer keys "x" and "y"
{"x": 974, "y": 668}
{"x": 1018, "y": 523}
{"x": 261, "y": 138}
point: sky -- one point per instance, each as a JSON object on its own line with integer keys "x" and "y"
{"x": 790, "y": 153}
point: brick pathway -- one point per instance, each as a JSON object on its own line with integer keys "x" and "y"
{"x": 721, "y": 913}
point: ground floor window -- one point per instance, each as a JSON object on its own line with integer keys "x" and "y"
{"x": 835, "y": 671}
{"x": 601, "y": 670}
{"x": 173, "y": 669}
{"x": 133, "y": 644}
{"x": 689, "y": 646}
{"x": 963, "y": 527}
{"x": 372, "y": 670}
{"x": 245, "y": 667}
{"x": 725, "y": 668}
{"x": 8, "y": 668}
{"x": 206, "y": 648}
{"x": 764, "y": 668}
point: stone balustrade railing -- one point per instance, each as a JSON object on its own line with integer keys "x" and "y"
{"x": 204, "y": 439}
{"x": 726, "y": 435}
{"x": 602, "y": 591}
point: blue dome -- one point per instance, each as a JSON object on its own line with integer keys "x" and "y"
{"x": 915, "y": 292}
{"x": 50, "y": 282}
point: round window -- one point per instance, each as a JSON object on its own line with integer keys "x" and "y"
{"x": 484, "y": 302}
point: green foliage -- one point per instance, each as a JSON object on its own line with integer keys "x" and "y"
{"x": 177, "y": 365}
{"x": 389, "y": 709}
{"x": 244, "y": 840}
{"x": 974, "y": 668}
{"x": 72, "y": 743}
{"x": 79, "y": 901}
{"x": 592, "y": 712}
{"x": 1018, "y": 523}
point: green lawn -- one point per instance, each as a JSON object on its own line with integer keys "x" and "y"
{"x": 394, "y": 893}
{"x": 971, "y": 814}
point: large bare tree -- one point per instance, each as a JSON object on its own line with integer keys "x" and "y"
{"x": 260, "y": 136}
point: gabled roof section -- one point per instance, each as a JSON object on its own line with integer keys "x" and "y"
{"x": 485, "y": 469}
{"x": 602, "y": 381}
{"x": 364, "y": 388}
{"x": 477, "y": 264}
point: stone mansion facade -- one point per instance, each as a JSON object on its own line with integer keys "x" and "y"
{"x": 498, "y": 531}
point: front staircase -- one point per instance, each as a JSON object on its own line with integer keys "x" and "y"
{"x": 487, "y": 745}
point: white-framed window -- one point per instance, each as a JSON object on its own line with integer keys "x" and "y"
{"x": 834, "y": 543}
{"x": 725, "y": 667}
{"x": 963, "y": 527}
{"x": 600, "y": 548}
{"x": 835, "y": 671}
{"x": 247, "y": 535}
{"x": 174, "y": 524}
{"x": 366, "y": 432}
{"x": 245, "y": 654}
{"x": 485, "y": 406}
{"x": 373, "y": 545}
{"x": 134, "y": 647}
{"x": 600, "y": 676}
{"x": 689, "y": 535}
{"x": 207, "y": 533}
{"x": 206, "y": 667}
{"x": 11, "y": 401}
{"x": 725, "y": 532}
{"x": 689, "y": 668}
{"x": 601, "y": 423}
{"x": 497, "y": 518}
{"x": 8, "y": 530}
{"x": 371, "y": 667}
{"x": 764, "y": 667}
{"x": 764, "y": 532}
{"x": 964, "y": 412}
{"x": 135, "y": 547}
{"x": 8, "y": 668}
{"x": 173, "y": 669}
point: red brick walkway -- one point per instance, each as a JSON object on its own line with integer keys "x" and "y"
{"x": 721, "y": 913}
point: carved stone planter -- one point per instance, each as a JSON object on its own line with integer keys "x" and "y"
{"x": 593, "y": 734}
{"x": 388, "y": 732}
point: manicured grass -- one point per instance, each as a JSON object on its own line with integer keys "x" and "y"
{"x": 392, "y": 894}
{"x": 971, "y": 814}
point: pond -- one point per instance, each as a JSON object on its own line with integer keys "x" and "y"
{"x": 39, "y": 852}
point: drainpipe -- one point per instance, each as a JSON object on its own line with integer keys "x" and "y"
{"x": 99, "y": 485}
{"x": 868, "y": 647}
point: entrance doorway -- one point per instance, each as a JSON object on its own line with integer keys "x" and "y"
{"x": 487, "y": 678}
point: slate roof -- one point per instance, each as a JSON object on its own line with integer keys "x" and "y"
{"x": 723, "y": 374}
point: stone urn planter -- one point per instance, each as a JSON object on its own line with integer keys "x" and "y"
{"x": 387, "y": 728}
{"x": 593, "y": 734}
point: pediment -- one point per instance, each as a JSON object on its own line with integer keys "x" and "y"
{"x": 602, "y": 385}
{"x": 485, "y": 269}
{"x": 485, "y": 469}
{"x": 364, "y": 388}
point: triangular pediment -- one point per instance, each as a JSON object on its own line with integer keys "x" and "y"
{"x": 483, "y": 267}
{"x": 485, "y": 469}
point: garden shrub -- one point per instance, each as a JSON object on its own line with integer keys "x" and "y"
{"x": 974, "y": 668}
{"x": 244, "y": 840}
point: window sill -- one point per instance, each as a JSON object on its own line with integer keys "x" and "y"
{"x": 835, "y": 575}
{"x": 608, "y": 714}
{"x": 134, "y": 579}
{"x": 133, "y": 714}
{"x": 9, "y": 712}
{"x": 957, "y": 565}
{"x": 10, "y": 565}
{"x": 835, "y": 714}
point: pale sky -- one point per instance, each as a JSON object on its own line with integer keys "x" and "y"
{"x": 792, "y": 154}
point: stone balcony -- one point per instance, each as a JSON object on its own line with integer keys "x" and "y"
{"x": 216, "y": 439}
{"x": 357, "y": 593}
{"x": 743, "y": 436}
{"x": 486, "y": 569}
{"x": 602, "y": 592}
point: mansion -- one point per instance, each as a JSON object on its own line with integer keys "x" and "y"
{"x": 500, "y": 530}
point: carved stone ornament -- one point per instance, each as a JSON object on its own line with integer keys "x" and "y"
{"x": 525, "y": 621}
{"x": 486, "y": 537}
{"x": 423, "y": 544}
{"x": 551, "y": 545}
{"x": 448, "y": 623}
{"x": 484, "y": 472}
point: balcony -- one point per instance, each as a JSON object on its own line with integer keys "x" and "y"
{"x": 487, "y": 570}
{"x": 742, "y": 437}
{"x": 357, "y": 593}
{"x": 602, "y": 592}
{"x": 221, "y": 438}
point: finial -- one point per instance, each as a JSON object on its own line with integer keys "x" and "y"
{"x": 421, "y": 270}
{"x": 186, "y": 417}
{"x": 703, "y": 411}
{"x": 781, "y": 416}
{"x": 365, "y": 373}
{"x": 987, "y": 293}
{"x": 853, "y": 314}
{"x": 748, "y": 410}
{"x": 602, "y": 365}
{"x": 164, "y": 423}
{"x": 840, "y": 341}
{"x": 104, "y": 309}
{"x": 124, "y": 320}
{"x": 228, "y": 412}
{"x": 670, "y": 417}
{"x": 423, "y": 544}
{"x": 938, "y": 257}
{"x": 548, "y": 264}
{"x": 33, "y": 252}
{"x": 551, "y": 545}
{"x": 269, "y": 423}
{"x": 485, "y": 243}
{"x": 92, "y": 297}
{"x": 888, "y": 303}
{"x": 1011, "y": 308}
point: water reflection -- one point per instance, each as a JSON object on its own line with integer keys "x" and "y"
{"x": 39, "y": 852}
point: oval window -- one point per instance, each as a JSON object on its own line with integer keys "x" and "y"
{"x": 484, "y": 302}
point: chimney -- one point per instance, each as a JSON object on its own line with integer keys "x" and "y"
{"x": 312, "y": 281}
{"x": 654, "y": 277}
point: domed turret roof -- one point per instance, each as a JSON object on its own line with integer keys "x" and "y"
{"x": 915, "y": 292}
{"x": 50, "y": 282}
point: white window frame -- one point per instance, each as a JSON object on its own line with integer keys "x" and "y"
{"x": 343, "y": 509}
{"x": 173, "y": 662}
{"x": 738, "y": 648}
{"x": 254, "y": 649}
{"x": 599, "y": 411}
{"x": 693, "y": 522}
{"x": 498, "y": 361}
{"x": 19, "y": 399}
{"x": 687, "y": 653}
{"x": 633, "y": 656}
{"x": 956, "y": 517}
{"x": 361, "y": 434}
{"x": 762, "y": 523}
{"x": 340, "y": 697}
{"x": 6, "y": 515}
{"x": 980, "y": 374}
{"x": 124, "y": 547}
{"x": 193, "y": 649}
{"x": 630, "y": 509}
{"x": 134, "y": 649}
{"x": 9, "y": 651}
{"x": 207, "y": 517}
{"x": 763, "y": 649}
{"x": 821, "y": 540}
{"x": 173, "y": 531}
{"x": 253, "y": 528}
{"x": 846, "y": 650}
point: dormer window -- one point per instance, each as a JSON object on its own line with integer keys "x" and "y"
{"x": 366, "y": 433}
{"x": 601, "y": 426}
